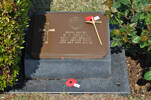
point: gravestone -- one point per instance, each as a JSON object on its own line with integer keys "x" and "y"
{"x": 67, "y": 35}
{"x": 63, "y": 45}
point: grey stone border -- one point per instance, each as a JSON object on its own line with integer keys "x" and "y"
{"x": 118, "y": 84}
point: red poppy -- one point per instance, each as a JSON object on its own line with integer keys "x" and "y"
{"x": 71, "y": 82}
{"x": 89, "y": 18}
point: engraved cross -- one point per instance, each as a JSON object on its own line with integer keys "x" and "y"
{"x": 46, "y": 30}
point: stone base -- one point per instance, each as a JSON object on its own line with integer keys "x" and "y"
{"x": 118, "y": 83}
{"x": 64, "y": 69}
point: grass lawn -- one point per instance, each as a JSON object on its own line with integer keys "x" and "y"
{"x": 77, "y": 5}
{"x": 72, "y": 5}
{"x": 40, "y": 96}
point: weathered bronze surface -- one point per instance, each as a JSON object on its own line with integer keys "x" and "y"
{"x": 67, "y": 35}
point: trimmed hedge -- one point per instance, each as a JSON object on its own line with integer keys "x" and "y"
{"x": 13, "y": 22}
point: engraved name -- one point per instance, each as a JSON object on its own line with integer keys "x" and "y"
{"x": 71, "y": 37}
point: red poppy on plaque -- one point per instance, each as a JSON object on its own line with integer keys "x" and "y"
{"x": 89, "y": 18}
{"x": 72, "y": 83}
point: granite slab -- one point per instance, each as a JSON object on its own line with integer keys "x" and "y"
{"x": 117, "y": 84}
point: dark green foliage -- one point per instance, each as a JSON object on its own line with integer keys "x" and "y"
{"x": 134, "y": 20}
{"x": 13, "y": 22}
{"x": 147, "y": 76}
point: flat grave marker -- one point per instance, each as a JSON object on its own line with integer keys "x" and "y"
{"x": 67, "y": 35}
{"x": 64, "y": 45}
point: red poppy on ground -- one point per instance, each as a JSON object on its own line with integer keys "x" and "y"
{"x": 71, "y": 82}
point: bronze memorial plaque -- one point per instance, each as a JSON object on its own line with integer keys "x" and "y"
{"x": 69, "y": 35}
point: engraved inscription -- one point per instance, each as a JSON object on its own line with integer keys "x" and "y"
{"x": 70, "y": 37}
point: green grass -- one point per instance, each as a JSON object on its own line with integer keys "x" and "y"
{"x": 40, "y": 96}
{"x": 77, "y": 5}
